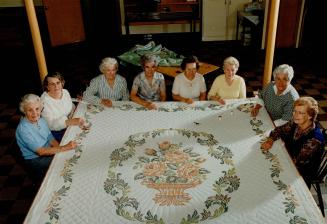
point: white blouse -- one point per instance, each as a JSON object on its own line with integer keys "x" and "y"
{"x": 57, "y": 111}
{"x": 189, "y": 88}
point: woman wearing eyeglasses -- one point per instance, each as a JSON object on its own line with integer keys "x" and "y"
{"x": 58, "y": 106}
{"x": 302, "y": 136}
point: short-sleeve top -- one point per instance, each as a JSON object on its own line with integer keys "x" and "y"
{"x": 149, "y": 91}
{"x": 31, "y": 137}
{"x": 189, "y": 88}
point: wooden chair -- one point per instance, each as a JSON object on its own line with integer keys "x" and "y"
{"x": 321, "y": 175}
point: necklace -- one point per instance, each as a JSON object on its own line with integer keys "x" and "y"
{"x": 38, "y": 125}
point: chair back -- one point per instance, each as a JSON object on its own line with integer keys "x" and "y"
{"x": 322, "y": 170}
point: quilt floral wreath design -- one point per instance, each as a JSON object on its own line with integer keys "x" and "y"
{"x": 171, "y": 168}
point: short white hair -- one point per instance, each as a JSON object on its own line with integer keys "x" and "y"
{"x": 284, "y": 69}
{"x": 29, "y": 98}
{"x": 231, "y": 61}
{"x": 108, "y": 62}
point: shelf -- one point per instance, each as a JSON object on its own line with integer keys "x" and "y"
{"x": 165, "y": 12}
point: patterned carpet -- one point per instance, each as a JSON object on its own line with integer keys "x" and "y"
{"x": 79, "y": 64}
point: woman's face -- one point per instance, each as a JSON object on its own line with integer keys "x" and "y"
{"x": 190, "y": 70}
{"x": 281, "y": 82}
{"x": 300, "y": 115}
{"x": 230, "y": 71}
{"x": 110, "y": 72}
{"x": 33, "y": 111}
{"x": 149, "y": 69}
{"x": 54, "y": 85}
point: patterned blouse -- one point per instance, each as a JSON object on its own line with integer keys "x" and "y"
{"x": 302, "y": 145}
{"x": 147, "y": 91}
{"x": 279, "y": 106}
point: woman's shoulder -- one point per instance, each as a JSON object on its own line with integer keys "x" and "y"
{"x": 139, "y": 76}
{"x": 239, "y": 77}
{"x": 23, "y": 125}
{"x": 65, "y": 92}
{"x": 66, "y": 95}
{"x": 180, "y": 75}
{"x": 293, "y": 92}
{"x": 198, "y": 75}
{"x": 47, "y": 99}
{"x": 43, "y": 122}
{"x": 98, "y": 78}
{"x": 270, "y": 87}
{"x": 318, "y": 133}
{"x": 219, "y": 78}
{"x": 158, "y": 75}
{"x": 120, "y": 77}
{"x": 44, "y": 95}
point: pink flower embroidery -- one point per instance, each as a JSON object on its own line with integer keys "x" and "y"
{"x": 150, "y": 152}
{"x": 188, "y": 171}
{"x": 176, "y": 156}
{"x": 154, "y": 169}
{"x": 164, "y": 145}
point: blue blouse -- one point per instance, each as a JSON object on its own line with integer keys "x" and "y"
{"x": 31, "y": 137}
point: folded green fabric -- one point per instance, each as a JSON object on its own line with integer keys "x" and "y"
{"x": 165, "y": 57}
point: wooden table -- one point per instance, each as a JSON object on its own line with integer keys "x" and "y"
{"x": 204, "y": 69}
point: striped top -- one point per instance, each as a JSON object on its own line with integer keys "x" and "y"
{"x": 99, "y": 89}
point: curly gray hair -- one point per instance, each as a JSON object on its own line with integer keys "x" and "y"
{"x": 231, "y": 61}
{"x": 284, "y": 69}
{"x": 106, "y": 63}
{"x": 29, "y": 98}
{"x": 149, "y": 58}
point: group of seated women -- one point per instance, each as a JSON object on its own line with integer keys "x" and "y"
{"x": 38, "y": 136}
{"x": 149, "y": 86}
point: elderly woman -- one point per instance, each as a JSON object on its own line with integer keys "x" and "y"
{"x": 149, "y": 85}
{"x": 279, "y": 95}
{"x": 189, "y": 86}
{"x": 34, "y": 137}
{"x": 107, "y": 87}
{"x": 228, "y": 85}
{"x": 58, "y": 105}
{"x": 302, "y": 137}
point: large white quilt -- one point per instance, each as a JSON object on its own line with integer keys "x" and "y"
{"x": 177, "y": 164}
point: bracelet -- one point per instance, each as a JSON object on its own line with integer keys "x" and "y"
{"x": 257, "y": 106}
{"x": 270, "y": 140}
